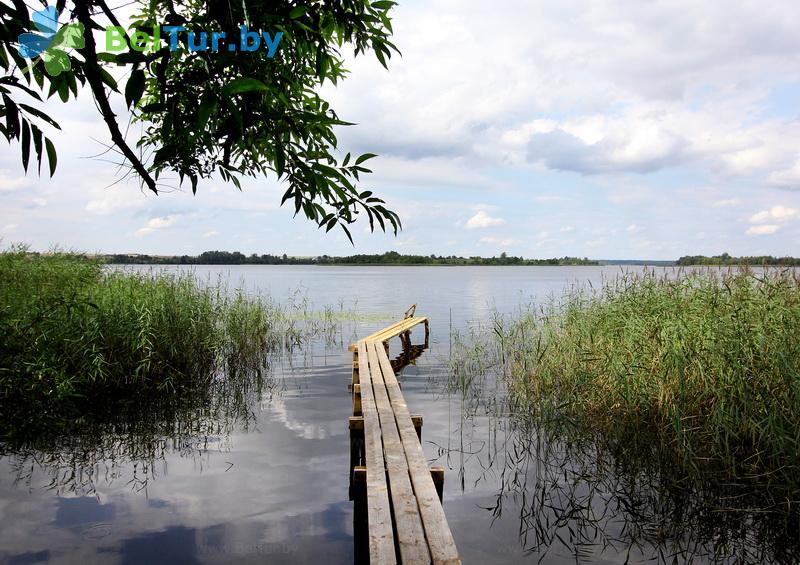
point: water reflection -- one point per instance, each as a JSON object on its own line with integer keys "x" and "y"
{"x": 221, "y": 474}
{"x": 138, "y": 437}
{"x": 577, "y": 496}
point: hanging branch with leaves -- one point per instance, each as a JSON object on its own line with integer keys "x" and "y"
{"x": 228, "y": 113}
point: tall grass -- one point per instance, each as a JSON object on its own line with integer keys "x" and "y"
{"x": 702, "y": 366}
{"x": 78, "y": 340}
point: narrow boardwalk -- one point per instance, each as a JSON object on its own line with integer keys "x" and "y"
{"x": 405, "y": 522}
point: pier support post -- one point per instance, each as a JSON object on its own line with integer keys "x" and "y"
{"x": 357, "y": 400}
{"x": 358, "y": 494}
{"x": 417, "y": 420}
{"x": 354, "y": 380}
{"x": 437, "y": 474}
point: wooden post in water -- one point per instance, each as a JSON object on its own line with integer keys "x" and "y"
{"x": 358, "y": 494}
{"x": 437, "y": 474}
{"x": 356, "y": 425}
{"x": 357, "y": 400}
{"x": 417, "y": 420}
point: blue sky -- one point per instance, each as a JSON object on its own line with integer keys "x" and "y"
{"x": 608, "y": 129}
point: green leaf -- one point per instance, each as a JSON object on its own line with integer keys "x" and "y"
{"x": 383, "y": 4}
{"x": 107, "y": 57}
{"x": 37, "y": 144}
{"x": 26, "y": 144}
{"x": 347, "y": 233}
{"x": 39, "y": 114}
{"x": 154, "y": 107}
{"x": 298, "y": 12}
{"x": 12, "y": 116}
{"x": 240, "y": 85}
{"x": 109, "y": 80}
{"x": 134, "y": 89}
{"x": 365, "y": 157}
{"x": 52, "y": 157}
{"x": 280, "y": 159}
{"x": 208, "y": 105}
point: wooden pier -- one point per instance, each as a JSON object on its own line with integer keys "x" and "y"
{"x": 397, "y": 497}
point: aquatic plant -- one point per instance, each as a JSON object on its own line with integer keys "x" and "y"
{"x": 705, "y": 364}
{"x": 79, "y": 340}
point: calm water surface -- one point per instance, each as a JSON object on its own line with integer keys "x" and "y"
{"x": 273, "y": 488}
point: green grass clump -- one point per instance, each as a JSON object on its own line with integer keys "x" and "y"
{"x": 703, "y": 365}
{"x": 78, "y": 339}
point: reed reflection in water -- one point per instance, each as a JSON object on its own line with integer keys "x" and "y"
{"x": 579, "y": 496}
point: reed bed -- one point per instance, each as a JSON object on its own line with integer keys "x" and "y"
{"x": 700, "y": 366}
{"x": 79, "y": 340}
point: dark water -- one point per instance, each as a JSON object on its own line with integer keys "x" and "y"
{"x": 273, "y": 487}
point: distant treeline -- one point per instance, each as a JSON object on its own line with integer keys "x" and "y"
{"x": 726, "y": 259}
{"x": 388, "y": 258}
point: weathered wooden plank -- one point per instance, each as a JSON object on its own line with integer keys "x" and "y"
{"x": 393, "y": 331}
{"x": 440, "y": 539}
{"x": 381, "y": 537}
{"x": 408, "y": 524}
{"x": 402, "y": 327}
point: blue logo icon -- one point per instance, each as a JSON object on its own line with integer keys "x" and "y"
{"x": 50, "y": 40}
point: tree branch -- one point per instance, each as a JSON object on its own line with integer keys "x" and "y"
{"x": 95, "y": 79}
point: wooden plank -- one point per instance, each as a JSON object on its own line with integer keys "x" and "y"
{"x": 399, "y": 328}
{"x": 408, "y": 523}
{"x": 393, "y": 331}
{"x": 354, "y": 347}
{"x": 440, "y": 539}
{"x": 381, "y": 537}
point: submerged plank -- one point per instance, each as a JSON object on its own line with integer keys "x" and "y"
{"x": 381, "y": 536}
{"x": 408, "y": 523}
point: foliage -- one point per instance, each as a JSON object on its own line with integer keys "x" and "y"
{"x": 705, "y": 366}
{"x": 388, "y": 258}
{"x": 78, "y": 340}
{"x": 232, "y": 114}
{"x": 726, "y": 259}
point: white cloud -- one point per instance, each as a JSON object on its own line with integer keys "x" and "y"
{"x": 787, "y": 178}
{"x": 156, "y": 224}
{"x": 726, "y": 203}
{"x": 9, "y": 229}
{"x": 633, "y": 228}
{"x": 483, "y": 220}
{"x": 675, "y": 83}
{"x": 595, "y": 242}
{"x": 108, "y": 201}
{"x": 566, "y": 229}
{"x": 9, "y": 182}
{"x": 501, "y": 241}
{"x": 211, "y": 233}
{"x": 776, "y": 213}
{"x": 766, "y": 229}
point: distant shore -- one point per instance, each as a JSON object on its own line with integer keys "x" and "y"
{"x": 394, "y": 259}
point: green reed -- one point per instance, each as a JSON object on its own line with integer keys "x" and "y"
{"x": 702, "y": 365}
{"x": 78, "y": 339}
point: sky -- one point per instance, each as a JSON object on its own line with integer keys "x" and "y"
{"x": 612, "y": 129}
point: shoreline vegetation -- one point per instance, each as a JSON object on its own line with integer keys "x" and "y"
{"x": 702, "y": 369}
{"x": 82, "y": 344}
{"x": 392, "y": 258}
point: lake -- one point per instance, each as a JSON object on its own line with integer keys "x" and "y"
{"x": 273, "y": 486}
